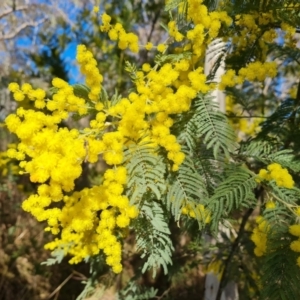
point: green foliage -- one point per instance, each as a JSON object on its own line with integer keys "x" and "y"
{"x": 280, "y": 274}
{"x": 81, "y": 90}
{"x": 58, "y": 255}
{"x": 153, "y": 237}
{"x": 172, "y": 4}
{"x": 290, "y": 196}
{"x": 211, "y": 125}
{"x": 286, "y": 158}
{"x": 236, "y": 191}
{"x": 256, "y": 148}
{"x": 186, "y": 187}
{"x": 276, "y": 123}
{"x": 146, "y": 172}
{"x": 218, "y": 173}
{"x": 134, "y": 291}
{"x": 131, "y": 69}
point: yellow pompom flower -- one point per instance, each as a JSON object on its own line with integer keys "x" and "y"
{"x": 19, "y": 96}
{"x": 161, "y": 47}
{"x": 13, "y": 87}
{"x": 113, "y": 34}
{"x": 295, "y": 230}
{"x": 26, "y": 87}
{"x": 270, "y": 205}
{"x": 148, "y": 46}
{"x": 295, "y": 246}
{"x": 276, "y": 172}
{"x": 123, "y": 221}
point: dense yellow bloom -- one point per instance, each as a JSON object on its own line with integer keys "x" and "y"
{"x": 91, "y": 221}
{"x": 161, "y": 47}
{"x": 146, "y": 67}
{"x": 276, "y": 172}
{"x": 295, "y": 230}
{"x": 13, "y": 87}
{"x": 105, "y": 22}
{"x": 88, "y": 67}
{"x": 148, "y": 46}
{"x": 270, "y": 204}
{"x": 117, "y": 33}
{"x": 295, "y": 246}
{"x": 259, "y": 236}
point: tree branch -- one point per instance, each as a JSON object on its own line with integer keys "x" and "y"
{"x": 233, "y": 249}
{"x": 25, "y": 25}
{"x": 11, "y": 10}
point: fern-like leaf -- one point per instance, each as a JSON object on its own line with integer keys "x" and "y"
{"x": 210, "y": 169}
{"x": 286, "y": 158}
{"x": 235, "y": 191}
{"x": 57, "y": 257}
{"x": 276, "y": 123}
{"x": 212, "y": 125}
{"x": 186, "y": 186}
{"x": 289, "y": 196}
{"x": 134, "y": 291}
{"x": 146, "y": 172}
{"x": 153, "y": 237}
{"x": 280, "y": 273}
{"x": 256, "y": 148}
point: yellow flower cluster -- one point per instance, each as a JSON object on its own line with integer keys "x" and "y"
{"x": 20, "y": 93}
{"x": 252, "y": 26}
{"x": 258, "y": 71}
{"x": 157, "y": 95}
{"x": 275, "y": 172}
{"x": 207, "y": 25}
{"x": 295, "y": 245}
{"x": 90, "y": 219}
{"x": 200, "y": 210}
{"x": 55, "y": 154}
{"x": 4, "y": 160}
{"x": 256, "y": 27}
{"x": 270, "y": 204}
{"x": 88, "y": 67}
{"x": 259, "y": 236}
{"x": 173, "y": 31}
{"x": 6, "y": 164}
{"x": 55, "y": 158}
{"x": 255, "y": 71}
{"x": 64, "y": 100}
{"x": 117, "y": 33}
{"x": 290, "y": 32}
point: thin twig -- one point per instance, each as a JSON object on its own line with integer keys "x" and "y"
{"x": 9, "y": 11}
{"x": 60, "y": 286}
{"x": 21, "y": 28}
{"x": 164, "y": 293}
{"x": 233, "y": 249}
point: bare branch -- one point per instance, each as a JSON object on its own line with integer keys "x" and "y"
{"x": 20, "y": 28}
{"x": 9, "y": 11}
{"x": 65, "y": 16}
